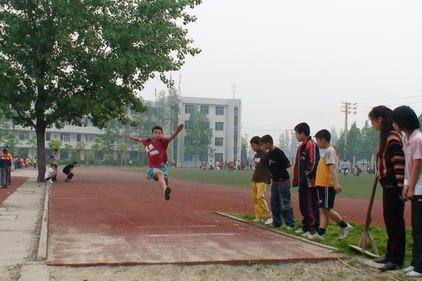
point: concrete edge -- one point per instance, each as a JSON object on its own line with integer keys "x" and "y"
{"x": 189, "y": 263}
{"x": 277, "y": 231}
{"x": 43, "y": 240}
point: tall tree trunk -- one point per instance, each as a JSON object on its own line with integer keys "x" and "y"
{"x": 41, "y": 159}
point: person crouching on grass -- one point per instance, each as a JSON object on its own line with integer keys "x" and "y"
{"x": 328, "y": 185}
{"x": 156, "y": 149}
{"x": 281, "y": 205}
{"x": 260, "y": 180}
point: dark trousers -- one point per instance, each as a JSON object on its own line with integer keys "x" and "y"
{"x": 69, "y": 176}
{"x": 281, "y": 205}
{"x": 417, "y": 233}
{"x": 308, "y": 205}
{"x": 393, "y": 210}
{"x": 5, "y": 176}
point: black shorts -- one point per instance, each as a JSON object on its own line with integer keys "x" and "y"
{"x": 326, "y": 197}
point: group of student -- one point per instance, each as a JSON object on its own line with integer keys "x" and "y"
{"x": 51, "y": 173}
{"x": 316, "y": 177}
{"x": 399, "y": 166}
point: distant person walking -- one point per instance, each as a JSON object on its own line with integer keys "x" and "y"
{"x": 6, "y": 167}
{"x": 390, "y": 163}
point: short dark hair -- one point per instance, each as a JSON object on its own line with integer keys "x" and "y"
{"x": 303, "y": 128}
{"x": 267, "y": 139}
{"x": 75, "y": 163}
{"x": 406, "y": 118}
{"x": 53, "y": 165}
{"x": 157, "y": 128}
{"x": 324, "y": 134}
{"x": 255, "y": 140}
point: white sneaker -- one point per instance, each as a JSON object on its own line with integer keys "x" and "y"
{"x": 408, "y": 269}
{"x": 345, "y": 231}
{"x": 288, "y": 228}
{"x": 413, "y": 274}
{"x": 315, "y": 237}
{"x": 299, "y": 231}
{"x": 268, "y": 221}
{"x": 306, "y": 234}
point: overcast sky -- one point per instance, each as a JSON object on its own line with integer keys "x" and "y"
{"x": 294, "y": 61}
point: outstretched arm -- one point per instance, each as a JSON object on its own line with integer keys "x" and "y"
{"x": 176, "y": 132}
{"x": 133, "y": 137}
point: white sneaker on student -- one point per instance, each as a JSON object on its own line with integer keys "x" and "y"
{"x": 408, "y": 269}
{"x": 299, "y": 231}
{"x": 306, "y": 234}
{"x": 315, "y": 237}
{"x": 345, "y": 231}
{"x": 268, "y": 221}
{"x": 414, "y": 274}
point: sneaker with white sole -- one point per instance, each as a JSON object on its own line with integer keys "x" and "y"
{"x": 345, "y": 231}
{"x": 408, "y": 269}
{"x": 306, "y": 234}
{"x": 299, "y": 231}
{"x": 315, "y": 237}
{"x": 268, "y": 221}
{"x": 414, "y": 274}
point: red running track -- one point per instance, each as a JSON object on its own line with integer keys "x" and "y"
{"x": 15, "y": 183}
{"x": 111, "y": 216}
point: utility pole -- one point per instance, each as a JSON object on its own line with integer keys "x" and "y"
{"x": 234, "y": 90}
{"x": 347, "y": 108}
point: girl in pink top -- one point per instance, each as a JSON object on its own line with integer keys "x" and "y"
{"x": 406, "y": 120}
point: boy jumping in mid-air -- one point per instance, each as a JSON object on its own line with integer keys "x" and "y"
{"x": 156, "y": 148}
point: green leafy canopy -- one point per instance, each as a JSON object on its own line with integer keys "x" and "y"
{"x": 65, "y": 59}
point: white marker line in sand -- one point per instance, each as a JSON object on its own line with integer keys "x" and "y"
{"x": 191, "y": 234}
{"x": 74, "y": 198}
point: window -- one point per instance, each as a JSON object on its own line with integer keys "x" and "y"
{"x": 219, "y": 110}
{"x": 187, "y": 126}
{"x": 86, "y": 138}
{"x": 78, "y": 137}
{"x": 218, "y": 141}
{"x": 205, "y": 109}
{"x": 64, "y": 137}
{"x": 219, "y": 126}
{"x": 188, "y": 108}
{"x": 47, "y": 136}
{"x": 218, "y": 157}
{"x": 203, "y": 158}
{"x": 188, "y": 157}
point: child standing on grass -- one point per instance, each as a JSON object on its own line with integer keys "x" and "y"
{"x": 156, "y": 149}
{"x": 260, "y": 180}
{"x": 328, "y": 186}
{"x": 406, "y": 120}
{"x": 281, "y": 206}
{"x": 307, "y": 157}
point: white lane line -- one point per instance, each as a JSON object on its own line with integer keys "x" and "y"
{"x": 191, "y": 234}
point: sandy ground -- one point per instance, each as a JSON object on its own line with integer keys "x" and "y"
{"x": 325, "y": 271}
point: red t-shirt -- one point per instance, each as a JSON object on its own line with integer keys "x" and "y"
{"x": 156, "y": 151}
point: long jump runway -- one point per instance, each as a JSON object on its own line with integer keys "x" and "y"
{"x": 115, "y": 217}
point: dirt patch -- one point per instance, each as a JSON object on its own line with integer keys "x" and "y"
{"x": 326, "y": 271}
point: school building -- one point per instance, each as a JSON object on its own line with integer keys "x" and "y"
{"x": 225, "y": 121}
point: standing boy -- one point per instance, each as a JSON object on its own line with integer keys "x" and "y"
{"x": 306, "y": 162}
{"x": 281, "y": 206}
{"x": 260, "y": 180}
{"x": 328, "y": 186}
{"x": 156, "y": 148}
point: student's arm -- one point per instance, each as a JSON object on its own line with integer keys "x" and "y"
{"x": 334, "y": 176}
{"x": 413, "y": 179}
{"x": 285, "y": 162}
{"x": 133, "y": 137}
{"x": 176, "y": 132}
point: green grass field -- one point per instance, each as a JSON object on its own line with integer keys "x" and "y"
{"x": 354, "y": 187}
{"x": 331, "y": 238}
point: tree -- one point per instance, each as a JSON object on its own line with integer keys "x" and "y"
{"x": 198, "y": 135}
{"x": 55, "y": 144}
{"x": 64, "y": 60}
{"x": 80, "y": 147}
{"x": 370, "y": 139}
